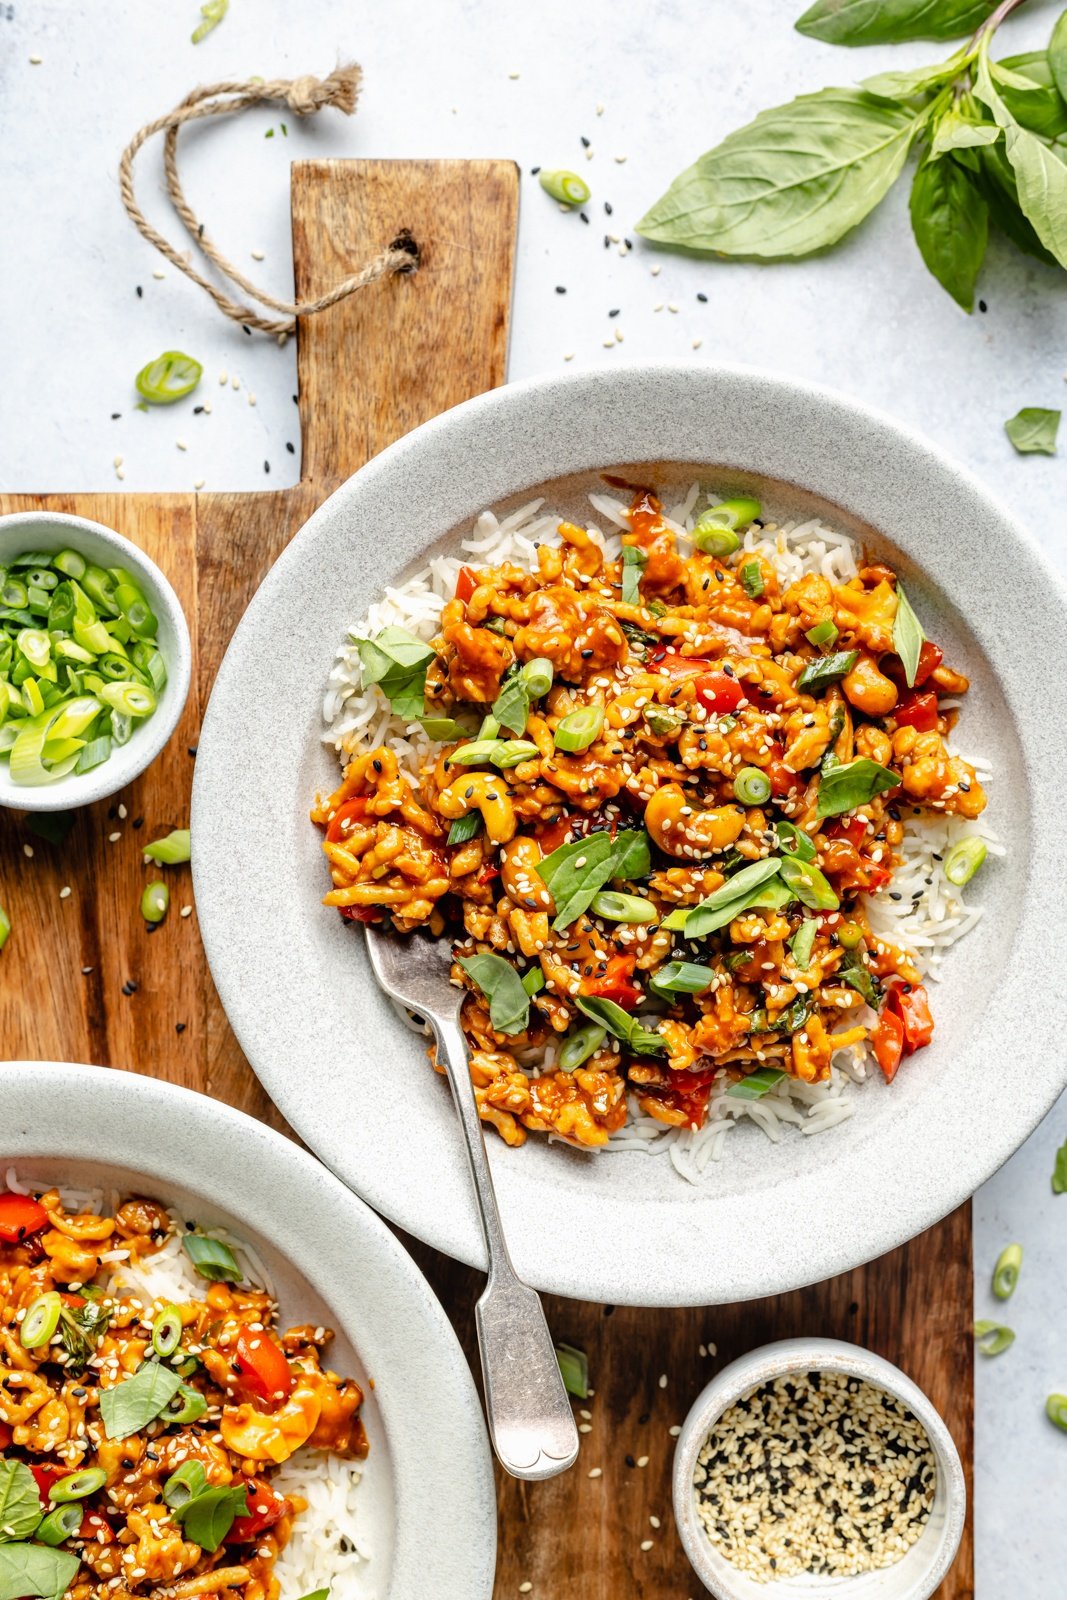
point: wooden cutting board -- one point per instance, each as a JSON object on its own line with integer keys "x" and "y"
{"x": 369, "y": 370}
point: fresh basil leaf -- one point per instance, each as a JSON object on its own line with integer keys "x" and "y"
{"x": 1033, "y": 431}
{"x": 1002, "y": 197}
{"x": 855, "y": 22}
{"x": 803, "y": 942}
{"x": 211, "y": 1258}
{"x": 35, "y": 1570}
{"x": 906, "y": 85}
{"x": 1059, "y": 1170}
{"x": 20, "y": 1501}
{"x": 634, "y": 562}
{"x": 1057, "y": 55}
{"x": 207, "y": 1518}
{"x": 795, "y": 180}
{"x": 825, "y": 670}
{"x": 576, "y": 872}
{"x": 444, "y": 729}
{"x": 851, "y": 784}
{"x": 792, "y": 840}
{"x": 511, "y": 708}
{"x": 129, "y": 1406}
{"x": 727, "y": 902}
{"x": 950, "y": 221}
{"x": 1040, "y": 174}
{"x": 855, "y": 972}
{"x": 80, "y": 1330}
{"x": 955, "y": 131}
{"x": 509, "y": 1004}
{"x": 908, "y": 636}
{"x": 619, "y": 1022}
{"x": 397, "y": 661}
{"x": 1029, "y": 91}
{"x": 756, "y": 1085}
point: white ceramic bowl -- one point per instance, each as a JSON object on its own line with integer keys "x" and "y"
{"x": 331, "y": 1050}
{"x": 917, "y": 1575}
{"x": 426, "y": 1501}
{"x": 51, "y": 530}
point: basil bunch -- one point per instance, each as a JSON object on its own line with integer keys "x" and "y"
{"x": 991, "y": 138}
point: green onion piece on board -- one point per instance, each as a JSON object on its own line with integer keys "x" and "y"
{"x": 752, "y": 787}
{"x": 574, "y": 1369}
{"x": 5, "y": 927}
{"x": 992, "y": 1338}
{"x": 1006, "y": 1271}
{"x": 1056, "y": 1410}
{"x": 154, "y": 901}
{"x": 580, "y": 1044}
{"x": 172, "y": 850}
{"x": 169, "y": 377}
{"x": 565, "y": 186}
{"x": 963, "y": 860}
{"x": 579, "y": 729}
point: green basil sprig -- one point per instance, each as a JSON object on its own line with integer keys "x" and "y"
{"x": 1033, "y": 431}
{"x": 849, "y": 784}
{"x": 129, "y": 1406}
{"x": 908, "y": 636}
{"x": 397, "y": 661}
{"x": 575, "y": 873}
{"x": 35, "y": 1570}
{"x": 643, "y": 1041}
{"x": 855, "y": 972}
{"x": 509, "y": 1003}
{"x": 20, "y": 1501}
{"x": 892, "y": 21}
{"x": 207, "y": 1518}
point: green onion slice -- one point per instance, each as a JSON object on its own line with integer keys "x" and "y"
{"x": 78, "y": 1485}
{"x": 822, "y": 633}
{"x": 681, "y": 977}
{"x": 154, "y": 901}
{"x": 184, "y": 1485}
{"x": 41, "y": 1320}
{"x": 579, "y": 1044}
{"x": 752, "y": 787}
{"x": 752, "y": 579}
{"x": 169, "y": 377}
{"x": 59, "y": 1525}
{"x": 186, "y": 1406}
{"x": 565, "y": 186}
{"x": 1006, "y": 1271}
{"x": 615, "y": 907}
{"x": 803, "y": 941}
{"x": 579, "y": 729}
{"x": 993, "y": 1338}
{"x": 135, "y": 699}
{"x": 1056, "y": 1410}
{"x": 574, "y": 1368}
{"x": 537, "y": 675}
{"x": 172, "y": 850}
{"x": 963, "y": 860}
{"x": 167, "y": 1331}
{"x": 465, "y": 828}
{"x": 5, "y": 927}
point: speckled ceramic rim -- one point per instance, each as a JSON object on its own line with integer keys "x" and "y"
{"x": 622, "y": 1228}
{"x": 443, "y": 1493}
{"x": 932, "y": 1555}
{"x": 52, "y": 530}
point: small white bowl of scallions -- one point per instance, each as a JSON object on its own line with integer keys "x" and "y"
{"x": 95, "y": 661}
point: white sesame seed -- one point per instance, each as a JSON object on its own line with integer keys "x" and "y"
{"x": 113, "y": 838}
{"x": 257, "y": 255}
{"x": 646, "y": 1544}
{"x": 595, "y": 1472}
{"x": 159, "y": 273}
{"x": 64, "y": 893}
{"x": 642, "y": 1461}
{"x": 182, "y": 445}
{"x": 35, "y": 61}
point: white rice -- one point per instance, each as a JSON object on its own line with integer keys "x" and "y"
{"x": 929, "y": 916}
{"x": 327, "y": 1549}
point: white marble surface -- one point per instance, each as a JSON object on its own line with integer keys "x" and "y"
{"x": 672, "y": 76}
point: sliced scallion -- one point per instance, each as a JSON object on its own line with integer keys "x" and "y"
{"x": 574, "y": 1369}
{"x": 167, "y": 1331}
{"x": 752, "y": 579}
{"x": 579, "y": 1044}
{"x": 963, "y": 860}
{"x": 822, "y": 633}
{"x": 5, "y": 927}
{"x": 579, "y": 729}
{"x": 565, "y": 186}
{"x": 465, "y": 828}
{"x": 537, "y": 675}
{"x": 992, "y": 1338}
{"x": 1056, "y": 1410}
{"x": 41, "y": 1320}
{"x": 172, "y": 850}
{"x": 154, "y": 901}
{"x": 59, "y": 1525}
{"x": 615, "y": 907}
{"x": 77, "y": 1485}
{"x": 681, "y": 977}
{"x": 752, "y": 787}
{"x": 169, "y": 377}
{"x": 756, "y": 1085}
{"x": 1006, "y": 1271}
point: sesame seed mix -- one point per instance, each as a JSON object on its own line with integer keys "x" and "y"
{"x": 818, "y": 1473}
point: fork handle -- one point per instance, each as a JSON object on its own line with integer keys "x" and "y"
{"x": 529, "y": 1414}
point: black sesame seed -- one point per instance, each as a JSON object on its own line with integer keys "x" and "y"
{"x": 585, "y": 141}
{"x": 179, "y": 1027}
{"x": 140, "y": 292}
{"x": 703, "y": 299}
{"x": 290, "y": 447}
{"x": 583, "y": 216}
{"x": 608, "y": 207}
{"x": 561, "y": 288}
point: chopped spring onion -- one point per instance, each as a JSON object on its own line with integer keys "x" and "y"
{"x": 809, "y": 885}
{"x": 756, "y": 1085}
{"x": 167, "y": 1331}
{"x": 803, "y": 941}
{"x": 825, "y": 670}
{"x": 615, "y": 907}
{"x": 41, "y": 1320}
{"x": 59, "y": 1525}
{"x": 465, "y": 828}
{"x": 76, "y": 651}
{"x": 537, "y": 677}
{"x": 172, "y": 850}
{"x": 822, "y": 633}
{"x": 1006, "y": 1271}
{"x": 992, "y": 1338}
{"x": 502, "y": 753}
{"x": 533, "y": 981}
{"x": 444, "y": 728}
{"x": 752, "y": 787}
{"x": 211, "y": 1258}
{"x": 963, "y": 861}
{"x": 77, "y": 1485}
{"x": 580, "y": 1044}
{"x": 169, "y": 377}
{"x": 574, "y": 1368}
{"x": 1056, "y": 1410}
{"x": 849, "y": 935}
{"x": 154, "y": 901}
{"x": 715, "y": 530}
{"x": 184, "y": 1485}
{"x": 186, "y": 1406}
{"x": 566, "y": 187}
{"x": 681, "y": 977}
{"x": 212, "y": 12}
{"x": 5, "y": 927}
{"x": 579, "y": 729}
{"x": 752, "y": 579}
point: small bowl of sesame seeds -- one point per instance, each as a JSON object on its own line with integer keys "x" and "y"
{"x": 814, "y": 1461}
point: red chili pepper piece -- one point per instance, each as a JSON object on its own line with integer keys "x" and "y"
{"x": 888, "y": 1042}
{"x": 719, "y": 693}
{"x": 262, "y": 1365}
{"x": 265, "y": 1508}
{"x": 615, "y": 983}
{"x": 917, "y": 710}
{"x": 912, "y": 1005}
{"x": 20, "y": 1215}
{"x": 466, "y": 583}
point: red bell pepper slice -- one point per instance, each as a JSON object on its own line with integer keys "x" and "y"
{"x": 352, "y": 811}
{"x": 265, "y": 1508}
{"x": 264, "y": 1371}
{"x": 6, "y": 1436}
{"x": 911, "y": 1004}
{"x": 20, "y": 1216}
{"x": 673, "y": 662}
{"x": 930, "y": 658}
{"x": 361, "y": 913}
{"x": 917, "y": 710}
{"x": 888, "y": 1042}
{"x": 96, "y": 1528}
{"x": 615, "y": 983}
{"x": 719, "y": 693}
{"x": 466, "y": 583}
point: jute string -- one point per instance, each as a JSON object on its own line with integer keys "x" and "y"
{"x": 304, "y": 97}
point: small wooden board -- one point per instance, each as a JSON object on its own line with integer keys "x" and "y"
{"x": 370, "y": 369}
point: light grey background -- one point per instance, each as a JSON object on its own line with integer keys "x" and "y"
{"x": 672, "y": 76}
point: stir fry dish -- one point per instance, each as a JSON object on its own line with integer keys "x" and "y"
{"x": 654, "y": 795}
{"x": 139, "y": 1436}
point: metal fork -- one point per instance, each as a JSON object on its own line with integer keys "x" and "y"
{"x": 530, "y": 1419}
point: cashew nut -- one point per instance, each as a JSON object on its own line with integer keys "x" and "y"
{"x": 681, "y": 831}
{"x": 484, "y": 792}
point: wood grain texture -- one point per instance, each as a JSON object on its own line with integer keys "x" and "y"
{"x": 370, "y": 369}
